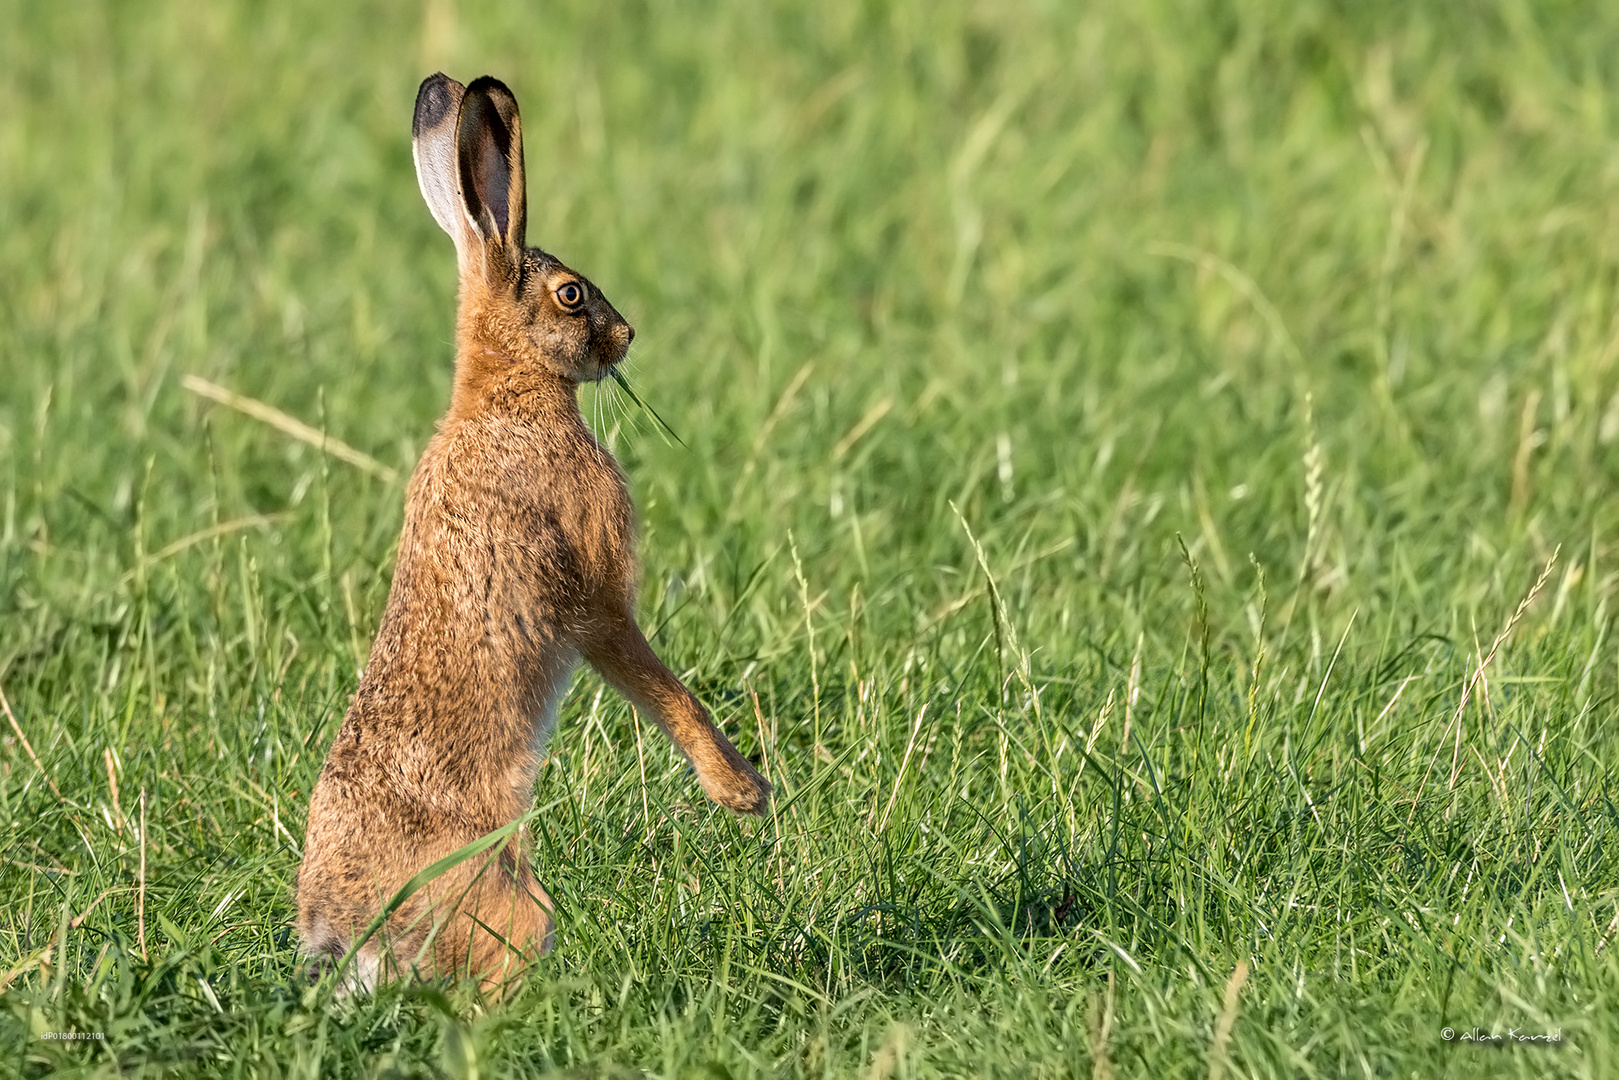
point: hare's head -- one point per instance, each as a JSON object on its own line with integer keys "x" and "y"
{"x": 519, "y": 305}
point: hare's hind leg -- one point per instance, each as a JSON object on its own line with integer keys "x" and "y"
{"x": 625, "y": 660}
{"x": 509, "y": 926}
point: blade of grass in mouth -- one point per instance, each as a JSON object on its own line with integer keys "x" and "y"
{"x": 618, "y": 377}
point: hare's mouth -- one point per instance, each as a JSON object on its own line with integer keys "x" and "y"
{"x": 609, "y": 360}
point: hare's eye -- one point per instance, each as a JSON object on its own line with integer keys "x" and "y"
{"x": 570, "y": 295}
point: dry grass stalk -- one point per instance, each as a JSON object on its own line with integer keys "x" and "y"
{"x": 140, "y": 885}
{"x": 26, "y": 745}
{"x": 1228, "y": 1018}
{"x": 299, "y": 430}
{"x": 1478, "y": 678}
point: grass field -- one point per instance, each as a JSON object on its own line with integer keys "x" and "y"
{"x": 1146, "y": 502}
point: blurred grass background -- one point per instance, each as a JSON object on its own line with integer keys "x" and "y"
{"x": 1121, "y": 437}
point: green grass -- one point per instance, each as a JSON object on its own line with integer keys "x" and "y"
{"x": 1118, "y": 437}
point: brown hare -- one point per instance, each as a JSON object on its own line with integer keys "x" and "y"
{"x": 516, "y": 561}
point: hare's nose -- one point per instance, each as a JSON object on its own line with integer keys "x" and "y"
{"x": 631, "y": 335}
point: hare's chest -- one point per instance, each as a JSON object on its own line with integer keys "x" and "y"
{"x": 580, "y": 524}
{"x": 550, "y": 514}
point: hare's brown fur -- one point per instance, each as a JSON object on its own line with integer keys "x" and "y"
{"x": 516, "y": 561}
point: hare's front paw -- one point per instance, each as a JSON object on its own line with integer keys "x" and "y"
{"x": 738, "y": 788}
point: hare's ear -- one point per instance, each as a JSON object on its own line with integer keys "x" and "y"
{"x": 432, "y": 144}
{"x": 489, "y": 156}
